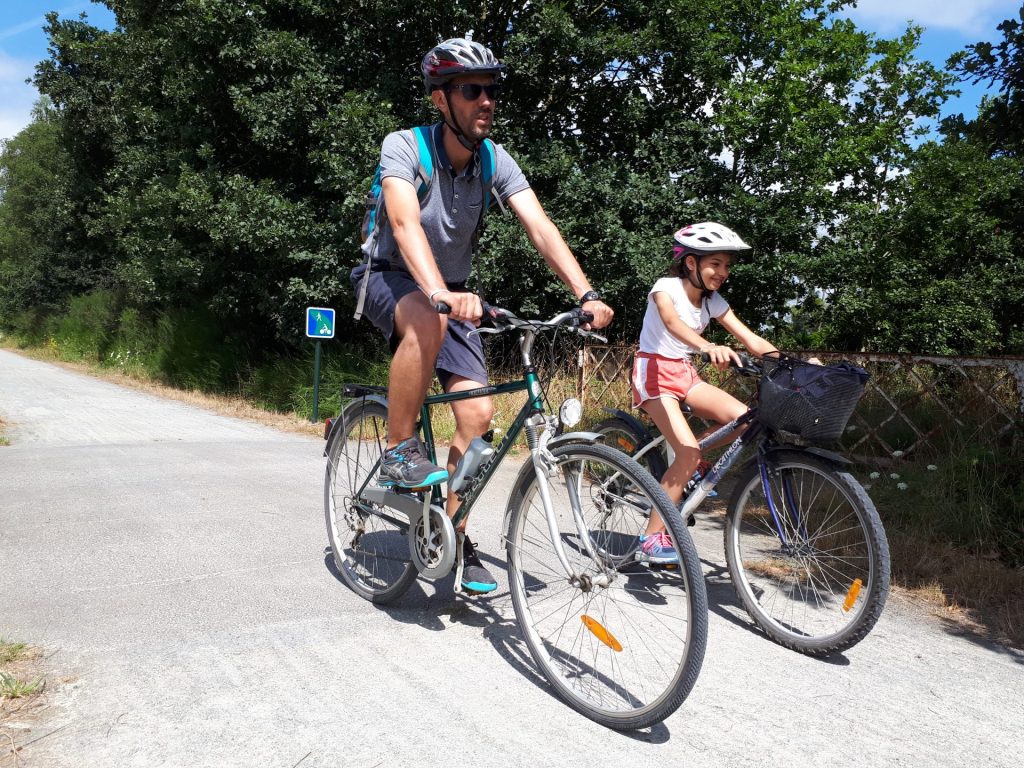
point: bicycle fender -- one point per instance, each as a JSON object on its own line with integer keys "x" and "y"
{"x": 340, "y": 418}
{"x": 634, "y": 423}
{"x": 821, "y": 453}
{"x": 575, "y": 437}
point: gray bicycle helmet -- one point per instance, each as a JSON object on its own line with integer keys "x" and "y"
{"x": 455, "y": 57}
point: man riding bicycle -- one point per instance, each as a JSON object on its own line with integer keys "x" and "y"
{"x": 422, "y": 256}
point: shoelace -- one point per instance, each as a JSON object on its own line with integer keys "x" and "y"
{"x": 662, "y": 539}
{"x": 469, "y": 555}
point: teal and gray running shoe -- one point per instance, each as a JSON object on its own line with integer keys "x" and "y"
{"x": 475, "y": 578}
{"x": 407, "y": 467}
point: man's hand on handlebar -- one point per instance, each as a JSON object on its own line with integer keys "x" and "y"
{"x": 602, "y": 313}
{"x": 462, "y": 306}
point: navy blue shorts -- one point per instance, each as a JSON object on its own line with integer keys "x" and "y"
{"x": 460, "y": 355}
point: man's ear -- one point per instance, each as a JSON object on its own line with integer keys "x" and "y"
{"x": 437, "y": 97}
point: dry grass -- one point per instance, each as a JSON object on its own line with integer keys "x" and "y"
{"x": 21, "y": 695}
{"x": 969, "y": 592}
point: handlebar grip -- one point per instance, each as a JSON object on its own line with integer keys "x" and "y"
{"x": 442, "y": 308}
{"x": 745, "y": 365}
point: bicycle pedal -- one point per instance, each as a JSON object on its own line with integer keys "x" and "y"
{"x": 663, "y": 566}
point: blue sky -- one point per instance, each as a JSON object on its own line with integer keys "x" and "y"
{"x": 949, "y": 26}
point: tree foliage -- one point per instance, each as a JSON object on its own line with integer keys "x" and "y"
{"x": 217, "y": 153}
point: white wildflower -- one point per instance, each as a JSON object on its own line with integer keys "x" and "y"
{"x": 894, "y": 476}
{"x": 932, "y": 468}
{"x": 902, "y": 486}
{"x": 874, "y": 475}
{"x": 897, "y": 454}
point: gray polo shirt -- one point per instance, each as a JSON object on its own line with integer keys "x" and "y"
{"x": 451, "y": 209}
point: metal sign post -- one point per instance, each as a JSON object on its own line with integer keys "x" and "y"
{"x": 319, "y": 325}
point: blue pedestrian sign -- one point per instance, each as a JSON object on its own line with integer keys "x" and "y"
{"x": 319, "y": 323}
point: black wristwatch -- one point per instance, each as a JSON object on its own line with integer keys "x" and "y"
{"x": 589, "y": 296}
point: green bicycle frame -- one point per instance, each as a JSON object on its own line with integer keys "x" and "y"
{"x": 534, "y": 404}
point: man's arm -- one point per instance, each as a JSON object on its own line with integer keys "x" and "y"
{"x": 549, "y": 243}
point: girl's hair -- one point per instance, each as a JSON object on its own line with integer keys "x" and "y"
{"x": 677, "y": 267}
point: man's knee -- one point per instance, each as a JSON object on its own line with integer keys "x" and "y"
{"x": 418, "y": 325}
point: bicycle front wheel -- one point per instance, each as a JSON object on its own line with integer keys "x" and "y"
{"x": 620, "y": 642}
{"x": 820, "y": 586}
{"x": 369, "y": 541}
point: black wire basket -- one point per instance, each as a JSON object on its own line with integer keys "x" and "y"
{"x": 812, "y": 402}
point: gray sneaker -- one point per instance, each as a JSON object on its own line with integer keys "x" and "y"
{"x": 407, "y": 467}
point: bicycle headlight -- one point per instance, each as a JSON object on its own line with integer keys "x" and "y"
{"x": 571, "y": 412}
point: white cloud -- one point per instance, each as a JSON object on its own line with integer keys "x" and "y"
{"x": 970, "y": 17}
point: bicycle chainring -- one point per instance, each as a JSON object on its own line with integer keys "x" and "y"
{"x": 433, "y": 556}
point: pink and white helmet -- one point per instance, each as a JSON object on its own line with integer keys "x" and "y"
{"x": 707, "y": 237}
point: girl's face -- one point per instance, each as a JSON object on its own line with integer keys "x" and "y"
{"x": 715, "y": 269}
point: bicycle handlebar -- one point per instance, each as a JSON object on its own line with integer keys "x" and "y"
{"x": 500, "y": 319}
{"x": 748, "y": 365}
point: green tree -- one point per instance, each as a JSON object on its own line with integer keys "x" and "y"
{"x": 39, "y": 268}
{"x": 220, "y": 151}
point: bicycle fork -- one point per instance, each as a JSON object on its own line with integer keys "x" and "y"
{"x": 539, "y": 431}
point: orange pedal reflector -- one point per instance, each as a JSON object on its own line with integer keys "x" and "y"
{"x": 601, "y": 633}
{"x": 851, "y": 594}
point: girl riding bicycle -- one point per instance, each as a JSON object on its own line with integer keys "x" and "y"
{"x": 679, "y": 309}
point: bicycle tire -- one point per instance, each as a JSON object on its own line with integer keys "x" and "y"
{"x": 824, "y": 590}
{"x": 369, "y": 543}
{"x": 656, "y": 618}
{"x": 621, "y": 435}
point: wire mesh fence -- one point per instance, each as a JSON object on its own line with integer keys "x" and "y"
{"x": 913, "y": 404}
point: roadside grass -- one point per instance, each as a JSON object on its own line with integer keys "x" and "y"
{"x": 18, "y": 672}
{"x": 21, "y": 695}
{"x": 4, "y": 440}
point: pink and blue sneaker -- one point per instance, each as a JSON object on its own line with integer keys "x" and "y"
{"x": 657, "y": 549}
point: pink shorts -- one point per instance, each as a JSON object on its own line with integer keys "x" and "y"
{"x": 657, "y": 376}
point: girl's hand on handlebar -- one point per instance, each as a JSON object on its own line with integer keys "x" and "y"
{"x": 720, "y": 356}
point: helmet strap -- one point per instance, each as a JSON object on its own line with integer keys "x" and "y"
{"x": 696, "y": 278}
{"x": 454, "y": 126}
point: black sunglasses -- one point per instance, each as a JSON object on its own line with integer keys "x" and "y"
{"x": 472, "y": 91}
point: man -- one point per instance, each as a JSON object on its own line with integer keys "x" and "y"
{"x": 421, "y": 255}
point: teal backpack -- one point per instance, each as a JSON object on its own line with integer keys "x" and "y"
{"x": 376, "y": 214}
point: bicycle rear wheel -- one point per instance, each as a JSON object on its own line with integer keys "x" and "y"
{"x": 624, "y": 644}
{"x": 622, "y": 436}
{"x": 369, "y": 541}
{"x": 823, "y": 588}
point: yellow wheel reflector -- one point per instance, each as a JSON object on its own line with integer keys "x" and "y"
{"x": 601, "y": 633}
{"x": 851, "y": 595}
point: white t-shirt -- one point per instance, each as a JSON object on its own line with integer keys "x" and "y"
{"x": 655, "y": 337}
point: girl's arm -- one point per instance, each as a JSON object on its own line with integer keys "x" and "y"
{"x": 718, "y": 354}
{"x": 753, "y": 343}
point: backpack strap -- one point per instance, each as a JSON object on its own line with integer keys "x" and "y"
{"x": 425, "y": 173}
{"x": 488, "y": 167}
{"x": 376, "y": 212}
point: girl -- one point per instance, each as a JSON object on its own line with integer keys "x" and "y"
{"x": 679, "y": 308}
